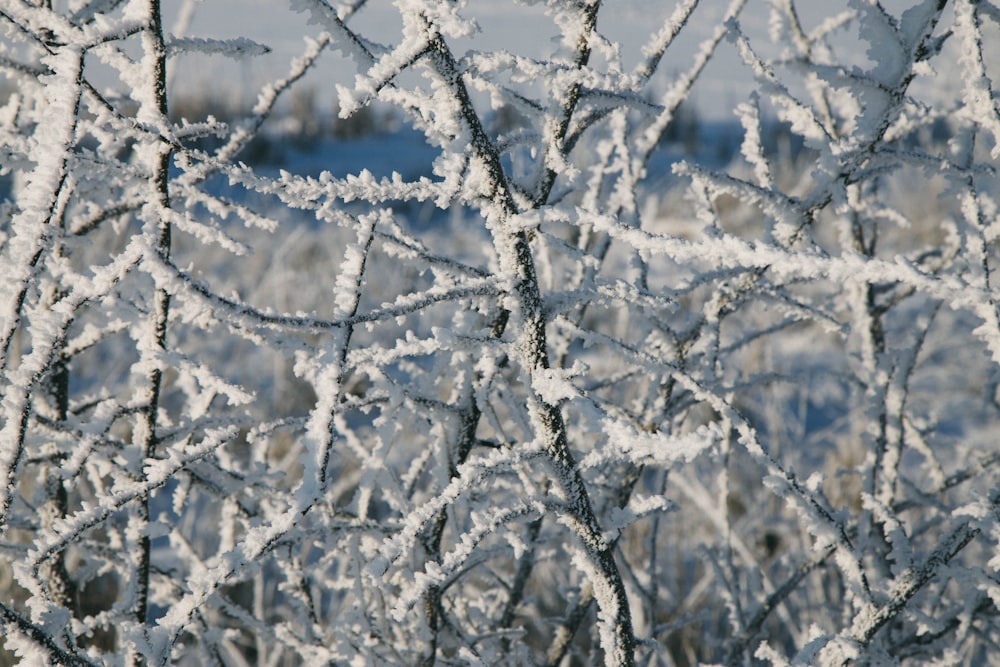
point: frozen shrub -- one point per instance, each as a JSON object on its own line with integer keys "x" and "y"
{"x": 530, "y": 409}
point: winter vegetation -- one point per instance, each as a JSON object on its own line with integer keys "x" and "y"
{"x": 540, "y": 374}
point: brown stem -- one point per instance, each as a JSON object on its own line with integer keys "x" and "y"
{"x": 161, "y": 307}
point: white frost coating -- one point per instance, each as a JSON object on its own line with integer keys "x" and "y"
{"x": 802, "y": 118}
{"x": 978, "y": 94}
{"x": 157, "y": 473}
{"x": 436, "y": 574}
{"x": 51, "y": 144}
{"x": 624, "y": 441}
{"x": 220, "y": 569}
{"x": 734, "y": 252}
{"x": 470, "y": 476}
{"x": 900, "y": 555}
{"x": 347, "y": 290}
{"x": 418, "y": 31}
{"x": 766, "y": 652}
{"x": 664, "y": 37}
{"x": 637, "y": 508}
{"x": 607, "y": 606}
{"x": 207, "y": 233}
{"x": 555, "y": 385}
{"x": 753, "y": 151}
{"x": 269, "y": 93}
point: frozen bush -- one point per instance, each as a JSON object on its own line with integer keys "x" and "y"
{"x": 546, "y": 406}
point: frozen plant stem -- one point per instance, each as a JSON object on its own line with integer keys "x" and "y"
{"x": 33, "y": 233}
{"x": 557, "y": 128}
{"x": 516, "y": 260}
{"x": 159, "y": 157}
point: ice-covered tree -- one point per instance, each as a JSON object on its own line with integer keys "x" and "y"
{"x": 590, "y": 411}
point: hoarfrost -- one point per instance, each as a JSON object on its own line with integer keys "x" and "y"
{"x": 569, "y": 375}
